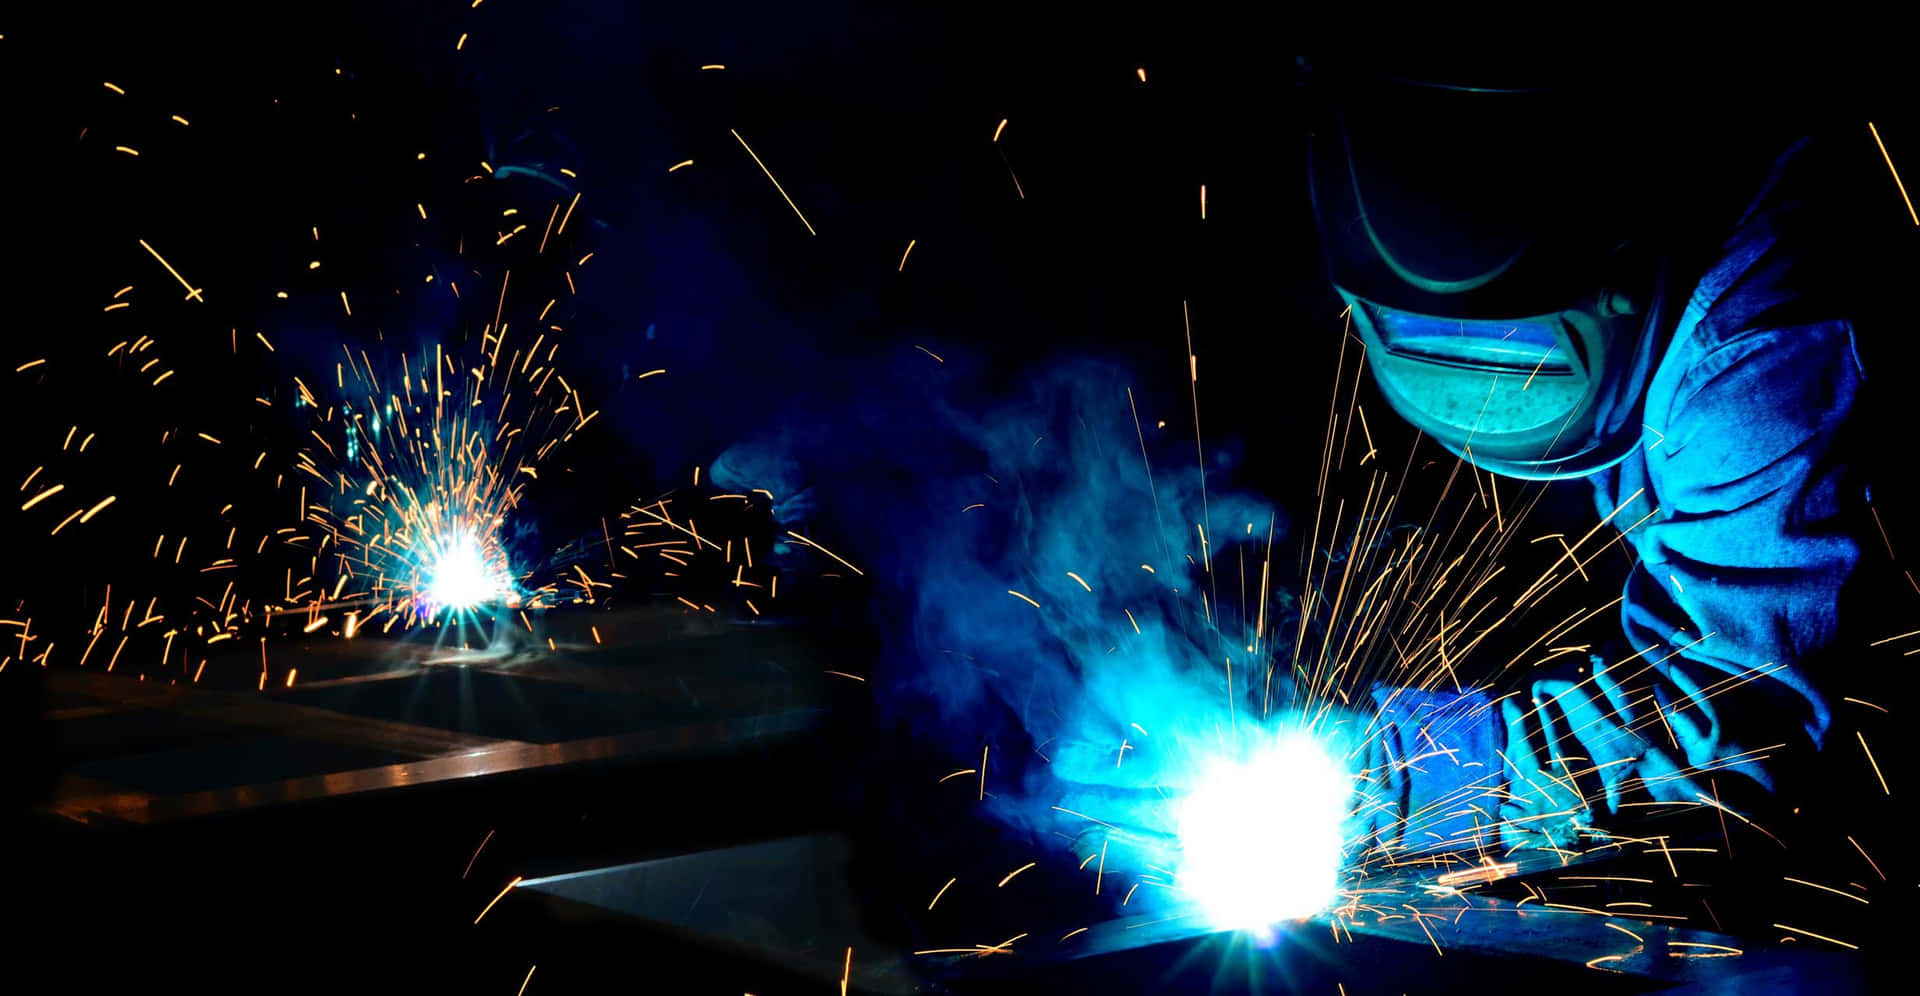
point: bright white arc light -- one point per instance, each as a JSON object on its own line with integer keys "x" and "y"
{"x": 1261, "y": 838}
{"x": 460, "y": 577}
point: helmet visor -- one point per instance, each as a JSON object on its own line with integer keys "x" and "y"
{"x": 1495, "y": 383}
{"x": 1528, "y": 346}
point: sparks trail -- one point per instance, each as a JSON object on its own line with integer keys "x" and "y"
{"x": 1420, "y": 584}
{"x": 423, "y": 478}
{"x": 361, "y": 496}
{"x": 782, "y": 190}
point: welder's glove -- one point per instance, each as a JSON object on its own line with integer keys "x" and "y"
{"x": 791, "y": 514}
{"x": 1123, "y": 802}
{"x": 1544, "y": 806}
{"x": 1375, "y": 817}
{"x": 1571, "y": 744}
{"x": 1127, "y": 854}
{"x": 1428, "y": 775}
{"x": 771, "y": 464}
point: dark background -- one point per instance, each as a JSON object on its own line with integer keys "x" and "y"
{"x": 877, "y": 122}
{"x": 876, "y": 119}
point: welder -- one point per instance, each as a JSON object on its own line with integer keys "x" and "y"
{"x": 1542, "y": 293}
{"x": 1551, "y": 282}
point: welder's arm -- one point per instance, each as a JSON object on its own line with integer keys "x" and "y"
{"x": 1733, "y": 601}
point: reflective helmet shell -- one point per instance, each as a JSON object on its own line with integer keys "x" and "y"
{"x": 1498, "y": 210}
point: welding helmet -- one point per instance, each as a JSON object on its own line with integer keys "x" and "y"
{"x": 1491, "y": 242}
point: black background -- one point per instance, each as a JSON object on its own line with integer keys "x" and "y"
{"x": 878, "y": 120}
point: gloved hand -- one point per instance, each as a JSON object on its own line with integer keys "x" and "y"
{"x": 792, "y": 511}
{"x": 1573, "y": 743}
{"x": 1544, "y": 806}
{"x": 1121, "y": 802}
{"x": 772, "y": 464}
{"x": 1429, "y": 771}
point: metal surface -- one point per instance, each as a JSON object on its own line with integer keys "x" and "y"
{"x": 378, "y": 715}
{"x": 785, "y": 900}
{"x": 240, "y": 709}
{"x": 789, "y": 900}
{"x": 1698, "y": 960}
{"x": 80, "y": 800}
{"x": 1409, "y": 908}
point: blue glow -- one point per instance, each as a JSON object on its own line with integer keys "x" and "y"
{"x": 353, "y": 434}
{"x": 461, "y": 576}
{"x": 1261, "y": 838}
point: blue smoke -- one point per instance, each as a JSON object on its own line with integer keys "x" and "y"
{"x": 963, "y": 499}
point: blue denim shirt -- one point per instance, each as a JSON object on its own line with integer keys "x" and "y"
{"x": 1738, "y": 509}
{"x": 1743, "y": 557}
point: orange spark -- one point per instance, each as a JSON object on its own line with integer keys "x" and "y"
{"x": 1876, "y": 764}
{"x": 1823, "y": 888}
{"x": 193, "y": 293}
{"x": 835, "y": 556}
{"x": 1895, "y": 172}
{"x": 104, "y": 502}
{"x": 1817, "y": 937}
{"x": 776, "y": 183}
{"x": 42, "y": 496}
{"x": 1870, "y": 862}
{"x": 503, "y": 894}
{"x": 1016, "y": 871}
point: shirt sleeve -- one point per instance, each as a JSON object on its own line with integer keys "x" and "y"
{"x": 1733, "y": 601}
